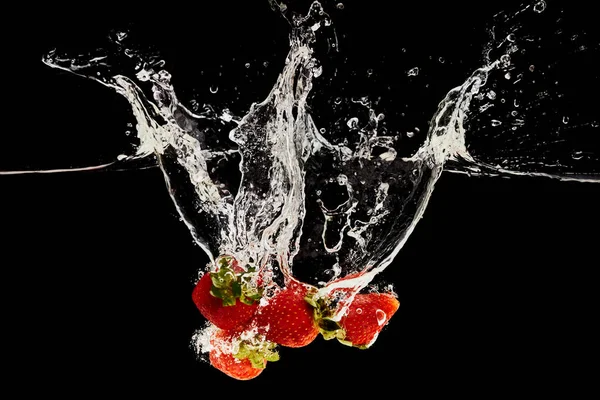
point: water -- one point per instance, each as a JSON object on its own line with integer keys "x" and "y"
{"x": 277, "y": 189}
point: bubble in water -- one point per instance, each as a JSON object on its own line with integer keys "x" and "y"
{"x": 539, "y": 6}
{"x": 511, "y": 37}
{"x": 495, "y": 122}
{"x": 441, "y": 60}
{"x": 381, "y": 317}
{"x": 410, "y": 134}
{"x": 247, "y": 65}
{"x": 340, "y": 6}
{"x": 565, "y": 120}
{"x": 352, "y": 123}
{"x": 577, "y": 155}
{"x": 491, "y": 95}
{"x": 507, "y": 75}
{"x": 413, "y": 71}
{"x": 342, "y": 180}
{"x": 322, "y": 130}
{"x": 214, "y": 89}
{"x": 369, "y": 72}
{"x": 338, "y": 100}
{"x": 359, "y": 310}
{"x": 505, "y": 60}
{"x": 531, "y": 68}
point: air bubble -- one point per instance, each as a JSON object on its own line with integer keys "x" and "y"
{"x": 565, "y": 120}
{"x": 491, "y": 95}
{"x": 410, "y": 134}
{"x": 441, "y": 60}
{"x": 495, "y": 122}
{"x": 352, "y": 123}
{"x": 413, "y": 71}
{"x": 214, "y": 89}
{"x": 507, "y": 76}
{"x": 381, "y": 317}
{"x": 539, "y": 6}
{"x": 247, "y": 65}
{"x": 342, "y": 180}
{"x": 322, "y": 130}
{"x": 340, "y": 6}
{"x": 359, "y": 310}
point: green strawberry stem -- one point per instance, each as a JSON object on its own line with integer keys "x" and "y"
{"x": 229, "y": 285}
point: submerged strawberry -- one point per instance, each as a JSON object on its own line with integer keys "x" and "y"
{"x": 227, "y": 297}
{"x": 287, "y": 318}
{"x": 365, "y": 318}
{"x": 238, "y": 357}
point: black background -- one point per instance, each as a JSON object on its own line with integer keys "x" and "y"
{"x": 496, "y": 284}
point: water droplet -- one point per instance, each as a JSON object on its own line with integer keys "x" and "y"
{"x": 381, "y": 317}
{"x": 214, "y": 89}
{"x": 322, "y": 130}
{"x": 319, "y": 192}
{"x": 532, "y": 68}
{"x": 441, "y": 60}
{"x": 495, "y": 122}
{"x": 247, "y": 65}
{"x": 359, "y": 310}
{"x": 121, "y": 36}
{"x": 539, "y": 6}
{"x": 491, "y": 95}
{"x": 507, "y": 76}
{"x": 389, "y": 155}
{"x": 352, "y": 123}
{"x": 565, "y": 120}
{"x": 511, "y": 37}
{"x": 410, "y": 134}
{"x": 513, "y": 113}
{"x": 340, "y": 6}
{"x": 317, "y": 71}
{"x": 413, "y": 71}
{"x": 577, "y": 155}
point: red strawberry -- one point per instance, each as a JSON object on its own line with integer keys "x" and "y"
{"x": 239, "y": 358}
{"x": 367, "y": 315}
{"x": 225, "y": 297}
{"x": 287, "y": 319}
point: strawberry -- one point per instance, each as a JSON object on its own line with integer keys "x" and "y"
{"x": 287, "y": 318}
{"x": 227, "y": 297}
{"x": 366, "y": 317}
{"x": 238, "y": 357}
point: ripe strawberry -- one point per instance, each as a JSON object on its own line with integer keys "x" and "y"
{"x": 367, "y": 315}
{"x": 237, "y": 357}
{"x": 226, "y": 297}
{"x": 287, "y": 318}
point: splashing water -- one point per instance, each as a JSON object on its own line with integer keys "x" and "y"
{"x": 277, "y": 192}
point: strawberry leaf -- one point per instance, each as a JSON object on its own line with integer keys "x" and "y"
{"x": 229, "y": 286}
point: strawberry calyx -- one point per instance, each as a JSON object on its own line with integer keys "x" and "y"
{"x": 258, "y": 354}
{"x": 323, "y": 315}
{"x": 230, "y": 283}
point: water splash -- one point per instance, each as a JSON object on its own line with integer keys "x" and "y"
{"x": 276, "y": 191}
